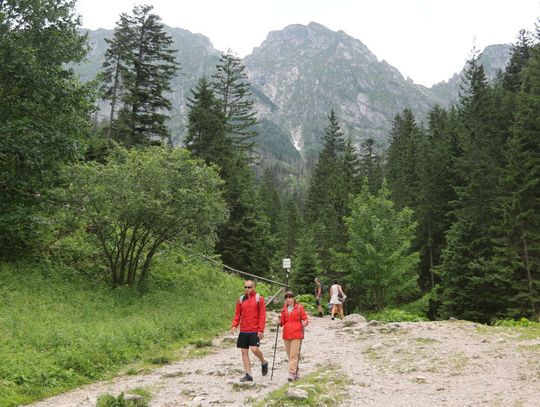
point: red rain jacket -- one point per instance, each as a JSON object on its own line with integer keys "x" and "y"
{"x": 292, "y": 323}
{"x": 249, "y": 314}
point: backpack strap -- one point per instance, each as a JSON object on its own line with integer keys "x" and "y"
{"x": 257, "y": 298}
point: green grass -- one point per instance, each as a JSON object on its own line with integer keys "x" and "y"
{"x": 395, "y": 315}
{"x": 108, "y": 400}
{"x": 325, "y": 387}
{"x": 523, "y": 329}
{"x": 59, "y": 330}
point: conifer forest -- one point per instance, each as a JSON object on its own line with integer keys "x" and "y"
{"x": 448, "y": 209}
{"x": 442, "y": 220}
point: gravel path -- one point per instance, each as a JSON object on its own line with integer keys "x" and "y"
{"x": 398, "y": 364}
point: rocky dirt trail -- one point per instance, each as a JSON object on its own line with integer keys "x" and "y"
{"x": 450, "y": 363}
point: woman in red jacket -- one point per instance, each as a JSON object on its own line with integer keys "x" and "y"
{"x": 293, "y": 320}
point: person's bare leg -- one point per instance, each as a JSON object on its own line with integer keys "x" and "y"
{"x": 333, "y": 312}
{"x": 246, "y": 361}
{"x": 341, "y": 311}
{"x": 257, "y": 352}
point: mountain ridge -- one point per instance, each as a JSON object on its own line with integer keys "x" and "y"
{"x": 297, "y": 75}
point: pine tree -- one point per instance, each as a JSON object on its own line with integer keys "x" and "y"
{"x": 351, "y": 170}
{"x": 370, "y": 165}
{"x": 473, "y": 285}
{"x": 521, "y": 53}
{"x": 114, "y": 67}
{"x": 328, "y": 197}
{"x": 233, "y": 90}
{"x": 206, "y": 136}
{"x": 244, "y": 241}
{"x": 139, "y": 67}
{"x": 519, "y": 232}
{"x": 403, "y": 158}
{"x": 306, "y": 265}
{"x": 271, "y": 201}
{"x": 437, "y": 153}
{"x": 291, "y": 229}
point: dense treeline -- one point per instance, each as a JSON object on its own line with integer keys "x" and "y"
{"x": 463, "y": 197}
{"x": 447, "y": 215}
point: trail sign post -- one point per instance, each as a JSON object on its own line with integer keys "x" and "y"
{"x": 287, "y": 267}
{"x": 286, "y": 263}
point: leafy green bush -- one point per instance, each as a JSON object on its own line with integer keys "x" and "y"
{"x": 419, "y": 307}
{"x": 308, "y": 301}
{"x": 522, "y": 322}
{"x": 396, "y": 315}
{"x": 140, "y": 199}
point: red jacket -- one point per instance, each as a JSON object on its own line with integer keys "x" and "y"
{"x": 249, "y": 314}
{"x": 292, "y": 322}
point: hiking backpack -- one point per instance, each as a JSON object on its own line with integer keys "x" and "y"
{"x": 244, "y": 298}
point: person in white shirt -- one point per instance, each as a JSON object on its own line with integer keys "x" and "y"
{"x": 337, "y": 296}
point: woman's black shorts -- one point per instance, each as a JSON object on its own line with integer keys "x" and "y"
{"x": 247, "y": 339}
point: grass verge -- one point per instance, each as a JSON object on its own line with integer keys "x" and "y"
{"x": 324, "y": 387}
{"x": 60, "y": 330}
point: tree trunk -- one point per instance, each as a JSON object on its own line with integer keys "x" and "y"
{"x": 113, "y": 99}
{"x": 430, "y": 247}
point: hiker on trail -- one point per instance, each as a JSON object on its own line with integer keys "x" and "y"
{"x": 318, "y": 295}
{"x": 293, "y": 320}
{"x": 337, "y": 296}
{"x": 250, "y": 314}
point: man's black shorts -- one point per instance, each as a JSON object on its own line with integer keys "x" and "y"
{"x": 247, "y": 339}
{"x": 317, "y": 301}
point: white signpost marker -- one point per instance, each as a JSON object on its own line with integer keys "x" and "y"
{"x": 287, "y": 267}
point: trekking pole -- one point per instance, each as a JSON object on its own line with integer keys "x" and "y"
{"x": 300, "y": 348}
{"x": 275, "y": 347}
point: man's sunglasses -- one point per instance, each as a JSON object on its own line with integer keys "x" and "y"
{"x": 248, "y": 286}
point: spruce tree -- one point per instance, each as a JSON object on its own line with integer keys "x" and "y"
{"x": 473, "y": 285}
{"x": 306, "y": 265}
{"x": 521, "y": 53}
{"x": 519, "y": 231}
{"x": 244, "y": 241}
{"x": 233, "y": 90}
{"x": 370, "y": 165}
{"x": 206, "y": 136}
{"x": 403, "y": 158}
{"x": 328, "y": 197}
{"x": 138, "y": 69}
{"x": 438, "y": 152}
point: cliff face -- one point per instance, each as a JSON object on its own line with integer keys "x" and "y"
{"x": 297, "y": 75}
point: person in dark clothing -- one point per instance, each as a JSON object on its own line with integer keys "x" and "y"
{"x": 318, "y": 295}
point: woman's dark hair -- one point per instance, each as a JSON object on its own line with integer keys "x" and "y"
{"x": 334, "y": 281}
{"x": 289, "y": 294}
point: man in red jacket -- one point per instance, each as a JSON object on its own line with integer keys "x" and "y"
{"x": 250, "y": 313}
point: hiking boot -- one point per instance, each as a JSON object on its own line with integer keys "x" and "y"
{"x": 291, "y": 377}
{"x": 246, "y": 378}
{"x": 320, "y": 314}
{"x": 264, "y": 368}
{"x": 333, "y": 318}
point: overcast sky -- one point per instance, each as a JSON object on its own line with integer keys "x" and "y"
{"x": 427, "y": 40}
